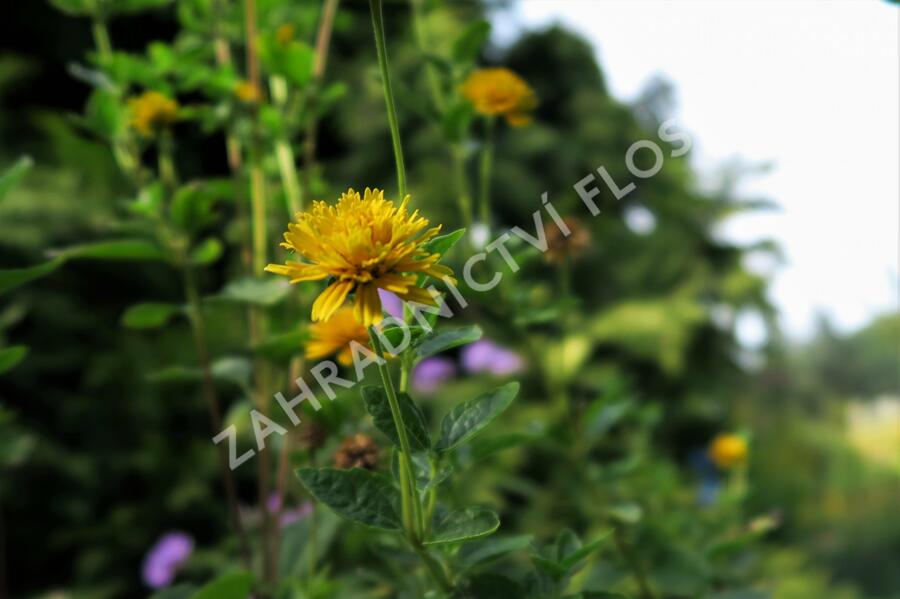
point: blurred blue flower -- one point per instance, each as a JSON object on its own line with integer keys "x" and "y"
{"x": 709, "y": 483}
{"x": 486, "y": 356}
{"x": 431, "y": 372}
{"x": 164, "y": 559}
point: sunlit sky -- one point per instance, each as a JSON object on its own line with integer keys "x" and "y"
{"x": 811, "y": 87}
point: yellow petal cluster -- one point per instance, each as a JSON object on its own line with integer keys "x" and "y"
{"x": 361, "y": 244}
{"x": 728, "y": 450}
{"x": 247, "y": 92}
{"x": 334, "y": 336}
{"x": 500, "y": 92}
{"x": 152, "y": 111}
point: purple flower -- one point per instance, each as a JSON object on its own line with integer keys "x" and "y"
{"x": 431, "y": 372}
{"x": 290, "y": 516}
{"x": 486, "y": 356}
{"x": 391, "y": 302}
{"x": 165, "y": 558}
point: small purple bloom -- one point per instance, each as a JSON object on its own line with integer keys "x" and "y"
{"x": 486, "y": 356}
{"x": 273, "y": 504}
{"x": 391, "y": 303}
{"x": 165, "y": 558}
{"x": 290, "y": 516}
{"x": 431, "y": 372}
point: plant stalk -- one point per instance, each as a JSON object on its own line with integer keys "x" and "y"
{"x": 487, "y": 162}
{"x": 198, "y": 330}
{"x": 637, "y": 571}
{"x": 381, "y": 50}
{"x": 410, "y": 503}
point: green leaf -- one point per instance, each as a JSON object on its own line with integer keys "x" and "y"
{"x": 573, "y": 555}
{"x": 73, "y": 7}
{"x": 104, "y": 113}
{"x": 626, "y": 513}
{"x": 120, "y": 249}
{"x": 133, "y": 6}
{"x": 441, "y": 245}
{"x": 206, "y": 252}
{"x": 468, "y": 419}
{"x": 468, "y": 45}
{"x": 234, "y": 585}
{"x": 177, "y": 591}
{"x": 282, "y": 347}
{"x": 447, "y": 340}
{"x": 489, "y": 585}
{"x": 463, "y": 525}
{"x": 297, "y": 542}
{"x": 10, "y": 279}
{"x": 413, "y": 419}
{"x": 484, "y": 550}
{"x": 456, "y": 121}
{"x": 149, "y": 315}
{"x": 11, "y": 356}
{"x": 192, "y": 204}
{"x": 256, "y": 292}
{"x": 14, "y": 174}
{"x": 359, "y": 495}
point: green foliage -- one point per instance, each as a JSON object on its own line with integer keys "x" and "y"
{"x": 470, "y": 418}
{"x": 416, "y": 426}
{"x": 359, "y": 495}
{"x": 464, "y": 525}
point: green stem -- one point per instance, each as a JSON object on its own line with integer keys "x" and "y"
{"x": 101, "y": 37}
{"x": 167, "y": 171}
{"x": 284, "y": 153}
{"x": 198, "y": 331}
{"x": 463, "y": 197}
{"x": 487, "y": 160}
{"x": 410, "y": 504}
{"x": 435, "y": 569}
{"x": 637, "y": 570}
{"x": 381, "y": 50}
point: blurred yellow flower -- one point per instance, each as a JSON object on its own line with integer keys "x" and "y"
{"x": 499, "y": 91}
{"x": 362, "y": 244}
{"x": 152, "y": 111}
{"x": 728, "y": 450}
{"x": 284, "y": 34}
{"x": 247, "y": 92}
{"x": 334, "y": 336}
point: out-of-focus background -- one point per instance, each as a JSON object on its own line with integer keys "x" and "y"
{"x": 754, "y": 288}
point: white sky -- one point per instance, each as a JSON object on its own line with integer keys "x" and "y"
{"x": 811, "y": 87}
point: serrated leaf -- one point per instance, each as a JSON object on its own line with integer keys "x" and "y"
{"x": 463, "y": 525}
{"x": 257, "y": 292}
{"x": 11, "y": 356}
{"x": 446, "y": 340}
{"x": 234, "y": 585}
{"x": 468, "y": 419}
{"x": 358, "y": 495}
{"x": 14, "y": 174}
{"x": 413, "y": 419}
{"x": 149, "y": 315}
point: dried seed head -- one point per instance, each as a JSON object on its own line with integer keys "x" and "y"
{"x": 358, "y": 451}
{"x": 562, "y": 247}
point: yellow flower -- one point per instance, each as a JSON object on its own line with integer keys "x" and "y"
{"x": 284, "y": 34}
{"x": 361, "y": 245}
{"x": 247, "y": 92}
{"x": 334, "y": 336}
{"x": 728, "y": 450}
{"x": 499, "y": 91}
{"x": 152, "y": 111}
